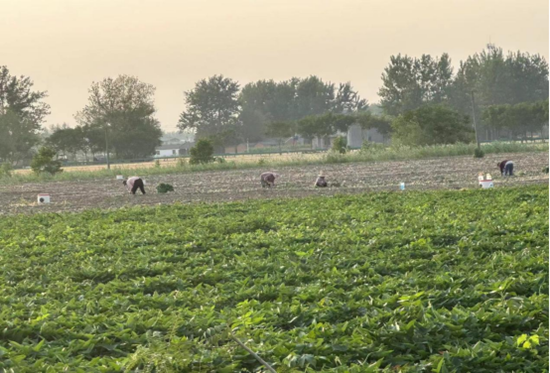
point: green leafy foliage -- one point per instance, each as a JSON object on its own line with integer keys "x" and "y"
{"x": 430, "y": 125}
{"x": 339, "y": 145}
{"x": 202, "y": 152}
{"x": 449, "y": 281}
{"x": 6, "y": 169}
{"x": 164, "y": 188}
{"x": 44, "y": 161}
{"x": 478, "y": 153}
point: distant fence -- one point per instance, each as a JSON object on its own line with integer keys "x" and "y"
{"x": 115, "y": 161}
{"x": 260, "y": 154}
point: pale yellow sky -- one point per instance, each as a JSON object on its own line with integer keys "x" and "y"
{"x": 64, "y": 45}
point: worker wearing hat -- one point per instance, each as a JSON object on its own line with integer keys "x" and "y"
{"x": 321, "y": 182}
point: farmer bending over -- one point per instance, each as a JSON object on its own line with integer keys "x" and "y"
{"x": 506, "y": 168}
{"x": 133, "y": 183}
{"x": 321, "y": 182}
{"x": 268, "y": 179}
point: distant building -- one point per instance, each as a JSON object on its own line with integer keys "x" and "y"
{"x": 173, "y": 150}
{"x": 354, "y": 136}
{"x": 244, "y": 147}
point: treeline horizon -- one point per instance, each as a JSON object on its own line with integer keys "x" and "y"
{"x": 121, "y": 111}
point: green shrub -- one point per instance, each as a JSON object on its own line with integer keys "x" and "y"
{"x": 164, "y": 188}
{"x": 157, "y": 163}
{"x": 219, "y": 160}
{"x": 339, "y": 145}
{"x": 202, "y": 152}
{"x": 182, "y": 162}
{"x": 6, "y": 169}
{"x": 478, "y": 153}
{"x": 373, "y": 147}
{"x": 44, "y": 161}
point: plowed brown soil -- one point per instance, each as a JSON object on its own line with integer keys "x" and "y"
{"x": 295, "y": 181}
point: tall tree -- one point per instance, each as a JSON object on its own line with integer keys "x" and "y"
{"x": 313, "y": 97}
{"x": 258, "y": 101}
{"x": 22, "y": 112}
{"x": 212, "y": 107}
{"x": 408, "y": 83}
{"x": 280, "y": 131}
{"x": 124, "y": 108}
{"x": 348, "y": 100}
{"x": 67, "y": 140}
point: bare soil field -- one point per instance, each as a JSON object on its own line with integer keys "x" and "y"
{"x": 295, "y": 182}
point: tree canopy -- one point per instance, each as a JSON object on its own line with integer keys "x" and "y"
{"x": 124, "y": 108}
{"x": 430, "y": 125}
{"x": 22, "y": 113}
{"x": 211, "y": 107}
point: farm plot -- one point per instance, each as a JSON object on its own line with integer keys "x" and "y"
{"x": 445, "y": 281}
{"x": 296, "y": 181}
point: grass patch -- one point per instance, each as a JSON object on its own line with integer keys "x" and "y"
{"x": 376, "y": 152}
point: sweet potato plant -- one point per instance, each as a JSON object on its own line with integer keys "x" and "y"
{"x": 447, "y": 281}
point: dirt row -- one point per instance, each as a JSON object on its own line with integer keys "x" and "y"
{"x": 295, "y": 181}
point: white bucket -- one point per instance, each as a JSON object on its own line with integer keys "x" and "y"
{"x": 43, "y": 198}
{"x": 486, "y": 184}
{"x": 402, "y": 186}
{"x": 119, "y": 177}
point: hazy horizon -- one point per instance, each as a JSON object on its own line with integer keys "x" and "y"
{"x": 64, "y": 45}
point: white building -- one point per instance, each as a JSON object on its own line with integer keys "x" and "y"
{"x": 173, "y": 150}
{"x": 355, "y": 137}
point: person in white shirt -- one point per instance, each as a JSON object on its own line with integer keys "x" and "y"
{"x": 133, "y": 184}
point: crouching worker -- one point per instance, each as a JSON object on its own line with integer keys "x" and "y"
{"x": 321, "y": 182}
{"x": 506, "y": 168}
{"x": 268, "y": 179}
{"x": 133, "y": 184}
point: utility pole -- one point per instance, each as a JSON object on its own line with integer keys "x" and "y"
{"x": 107, "y": 146}
{"x": 474, "y": 118}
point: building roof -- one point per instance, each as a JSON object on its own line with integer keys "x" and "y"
{"x": 182, "y": 145}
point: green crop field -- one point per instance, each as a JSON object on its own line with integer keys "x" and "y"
{"x": 451, "y": 281}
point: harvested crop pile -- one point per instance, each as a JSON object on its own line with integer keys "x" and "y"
{"x": 411, "y": 282}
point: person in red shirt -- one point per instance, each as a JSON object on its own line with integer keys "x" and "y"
{"x": 506, "y": 167}
{"x": 133, "y": 184}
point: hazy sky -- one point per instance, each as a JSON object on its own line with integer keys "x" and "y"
{"x": 64, "y": 45}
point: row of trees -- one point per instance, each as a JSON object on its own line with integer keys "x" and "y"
{"x": 325, "y": 125}
{"x": 119, "y": 115}
{"x": 219, "y": 109}
{"x": 120, "y": 112}
{"x": 491, "y": 77}
{"x": 518, "y": 120}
